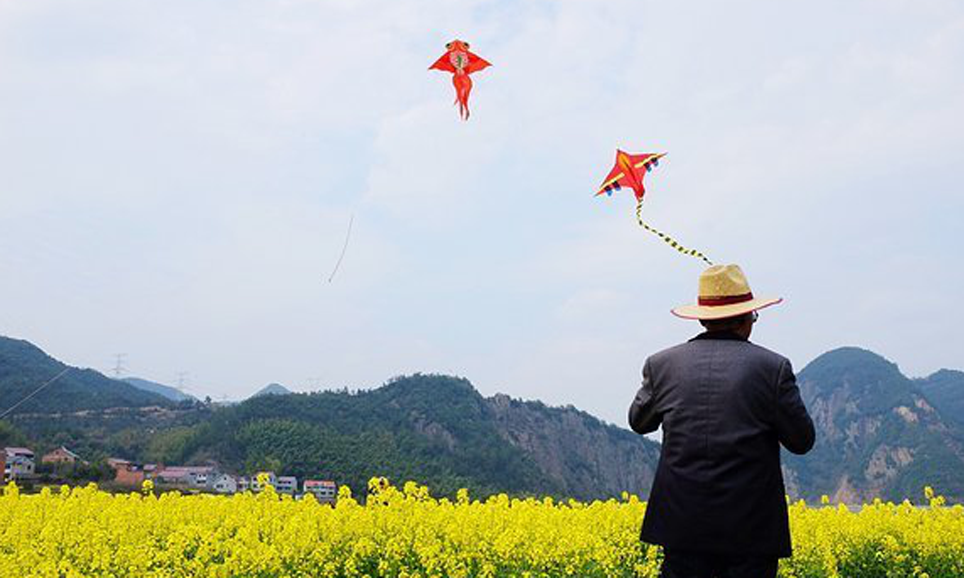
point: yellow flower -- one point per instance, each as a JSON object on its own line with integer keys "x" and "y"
{"x": 87, "y": 532}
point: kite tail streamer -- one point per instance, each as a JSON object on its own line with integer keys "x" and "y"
{"x": 344, "y": 248}
{"x": 669, "y": 240}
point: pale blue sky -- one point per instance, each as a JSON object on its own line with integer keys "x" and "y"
{"x": 176, "y": 179}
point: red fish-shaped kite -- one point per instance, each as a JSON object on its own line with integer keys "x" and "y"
{"x": 461, "y": 63}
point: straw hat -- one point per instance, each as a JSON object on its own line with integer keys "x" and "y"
{"x": 724, "y": 292}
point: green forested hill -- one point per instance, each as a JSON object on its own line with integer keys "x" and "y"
{"x": 428, "y": 428}
{"x": 435, "y": 429}
{"x": 24, "y": 368}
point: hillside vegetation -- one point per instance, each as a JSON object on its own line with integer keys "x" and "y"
{"x": 24, "y": 368}
{"x": 879, "y": 434}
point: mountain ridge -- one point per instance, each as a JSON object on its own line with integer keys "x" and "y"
{"x": 167, "y": 391}
{"x": 879, "y": 433}
{"x": 24, "y": 368}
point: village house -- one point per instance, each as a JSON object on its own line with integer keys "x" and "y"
{"x": 210, "y": 478}
{"x": 256, "y": 484}
{"x": 322, "y": 490}
{"x": 61, "y": 455}
{"x": 225, "y": 484}
{"x": 286, "y": 485}
{"x": 131, "y": 474}
{"x": 197, "y": 477}
{"x": 18, "y": 464}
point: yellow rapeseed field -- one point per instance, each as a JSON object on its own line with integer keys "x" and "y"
{"x": 407, "y": 533}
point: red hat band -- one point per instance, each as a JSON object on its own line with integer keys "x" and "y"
{"x": 727, "y": 300}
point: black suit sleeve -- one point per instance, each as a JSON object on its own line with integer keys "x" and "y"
{"x": 643, "y": 417}
{"x": 792, "y": 422}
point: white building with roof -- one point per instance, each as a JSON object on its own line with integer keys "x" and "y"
{"x": 256, "y": 483}
{"x": 198, "y": 477}
{"x": 224, "y": 484}
{"x": 286, "y": 485}
{"x": 322, "y": 490}
{"x": 19, "y": 463}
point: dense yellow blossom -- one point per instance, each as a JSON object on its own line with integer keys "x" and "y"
{"x": 407, "y": 533}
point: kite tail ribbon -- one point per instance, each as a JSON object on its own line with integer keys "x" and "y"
{"x": 669, "y": 240}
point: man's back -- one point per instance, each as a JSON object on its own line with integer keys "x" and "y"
{"x": 725, "y": 405}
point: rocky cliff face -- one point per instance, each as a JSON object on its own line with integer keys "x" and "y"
{"x": 877, "y": 435}
{"x": 584, "y": 456}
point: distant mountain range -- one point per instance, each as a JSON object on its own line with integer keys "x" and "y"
{"x": 272, "y": 389}
{"x": 170, "y": 392}
{"x": 879, "y": 434}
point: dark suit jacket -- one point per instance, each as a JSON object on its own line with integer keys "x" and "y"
{"x": 726, "y": 405}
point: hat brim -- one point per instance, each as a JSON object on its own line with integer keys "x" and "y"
{"x": 724, "y": 311}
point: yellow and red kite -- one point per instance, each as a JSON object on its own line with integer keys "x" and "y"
{"x": 461, "y": 63}
{"x": 629, "y": 171}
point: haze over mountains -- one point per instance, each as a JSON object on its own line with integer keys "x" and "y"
{"x": 880, "y": 434}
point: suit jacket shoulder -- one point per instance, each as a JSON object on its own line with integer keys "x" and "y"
{"x": 736, "y": 350}
{"x": 763, "y": 355}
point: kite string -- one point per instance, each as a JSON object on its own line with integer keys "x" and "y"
{"x": 343, "y": 249}
{"x": 669, "y": 240}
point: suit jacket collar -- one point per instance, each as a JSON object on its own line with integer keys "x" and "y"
{"x": 724, "y": 335}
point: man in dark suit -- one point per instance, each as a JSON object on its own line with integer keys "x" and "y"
{"x": 718, "y": 503}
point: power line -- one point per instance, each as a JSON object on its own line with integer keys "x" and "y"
{"x": 35, "y": 392}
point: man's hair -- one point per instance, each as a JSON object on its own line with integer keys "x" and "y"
{"x": 725, "y": 324}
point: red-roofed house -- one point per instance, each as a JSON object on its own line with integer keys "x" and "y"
{"x": 131, "y": 474}
{"x": 61, "y": 455}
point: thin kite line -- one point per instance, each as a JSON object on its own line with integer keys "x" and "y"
{"x": 343, "y": 249}
{"x": 35, "y": 392}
